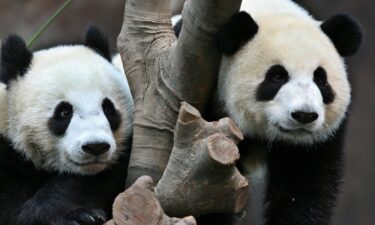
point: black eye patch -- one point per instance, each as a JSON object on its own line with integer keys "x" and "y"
{"x": 320, "y": 79}
{"x": 113, "y": 115}
{"x": 275, "y": 78}
{"x": 59, "y": 122}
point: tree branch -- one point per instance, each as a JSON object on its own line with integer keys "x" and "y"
{"x": 201, "y": 176}
{"x": 163, "y": 72}
{"x": 138, "y": 205}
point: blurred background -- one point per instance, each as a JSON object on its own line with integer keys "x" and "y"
{"x": 357, "y": 202}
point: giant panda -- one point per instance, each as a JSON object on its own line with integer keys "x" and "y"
{"x": 283, "y": 80}
{"x": 65, "y": 132}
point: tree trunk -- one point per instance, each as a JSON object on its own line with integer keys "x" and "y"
{"x": 162, "y": 72}
{"x": 138, "y": 206}
{"x": 200, "y": 177}
{"x": 176, "y": 6}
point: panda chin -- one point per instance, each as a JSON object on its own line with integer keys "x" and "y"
{"x": 88, "y": 168}
{"x": 297, "y": 136}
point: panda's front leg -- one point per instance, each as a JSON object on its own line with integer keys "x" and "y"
{"x": 84, "y": 216}
{"x": 303, "y": 182}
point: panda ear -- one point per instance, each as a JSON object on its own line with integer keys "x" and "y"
{"x": 240, "y": 29}
{"x": 15, "y": 58}
{"x": 345, "y": 33}
{"x": 97, "y": 41}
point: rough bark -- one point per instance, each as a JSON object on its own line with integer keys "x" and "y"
{"x": 176, "y": 6}
{"x": 201, "y": 176}
{"x": 162, "y": 72}
{"x": 138, "y": 206}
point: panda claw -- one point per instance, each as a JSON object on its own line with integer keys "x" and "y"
{"x": 84, "y": 216}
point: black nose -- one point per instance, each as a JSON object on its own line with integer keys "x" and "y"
{"x": 305, "y": 117}
{"x": 96, "y": 148}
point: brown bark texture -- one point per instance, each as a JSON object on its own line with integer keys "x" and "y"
{"x": 162, "y": 72}
{"x": 200, "y": 177}
{"x": 138, "y": 206}
{"x": 176, "y": 6}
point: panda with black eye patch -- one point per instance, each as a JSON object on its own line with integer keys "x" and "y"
{"x": 283, "y": 80}
{"x": 65, "y": 133}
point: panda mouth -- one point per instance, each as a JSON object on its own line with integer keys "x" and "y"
{"x": 85, "y": 164}
{"x": 293, "y": 131}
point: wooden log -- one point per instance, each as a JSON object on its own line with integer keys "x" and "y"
{"x": 163, "y": 71}
{"x": 138, "y": 205}
{"x": 201, "y": 176}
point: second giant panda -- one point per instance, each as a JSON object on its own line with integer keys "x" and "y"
{"x": 65, "y": 133}
{"x": 284, "y": 82}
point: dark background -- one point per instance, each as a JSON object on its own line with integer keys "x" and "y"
{"x": 357, "y": 202}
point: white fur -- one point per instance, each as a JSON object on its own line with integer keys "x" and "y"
{"x": 117, "y": 62}
{"x": 175, "y": 19}
{"x": 288, "y": 36}
{"x": 78, "y": 75}
{"x": 3, "y": 109}
{"x": 258, "y": 8}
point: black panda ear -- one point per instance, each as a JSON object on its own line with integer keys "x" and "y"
{"x": 240, "y": 29}
{"x": 15, "y": 58}
{"x": 345, "y": 33}
{"x": 97, "y": 41}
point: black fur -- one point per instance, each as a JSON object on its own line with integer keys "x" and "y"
{"x": 240, "y": 29}
{"x": 304, "y": 182}
{"x": 59, "y": 122}
{"x": 29, "y": 196}
{"x": 15, "y": 58}
{"x": 97, "y": 41}
{"x": 275, "y": 78}
{"x": 32, "y": 196}
{"x": 220, "y": 219}
{"x": 233, "y": 35}
{"x": 177, "y": 27}
{"x": 320, "y": 79}
{"x": 345, "y": 33}
{"x": 112, "y": 114}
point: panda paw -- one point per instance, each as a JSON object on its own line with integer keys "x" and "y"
{"x": 85, "y": 216}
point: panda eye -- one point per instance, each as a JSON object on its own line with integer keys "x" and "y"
{"x": 59, "y": 122}
{"x": 108, "y": 110}
{"x": 108, "y": 107}
{"x": 277, "y": 74}
{"x": 320, "y": 77}
{"x": 63, "y": 111}
{"x": 113, "y": 116}
{"x": 277, "y": 77}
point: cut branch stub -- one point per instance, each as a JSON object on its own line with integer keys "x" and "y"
{"x": 139, "y": 206}
{"x": 201, "y": 176}
{"x": 162, "y": 71}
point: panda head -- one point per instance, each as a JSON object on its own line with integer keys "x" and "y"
{"x": 68, "y": 108}
{"x": 285, "y": 79}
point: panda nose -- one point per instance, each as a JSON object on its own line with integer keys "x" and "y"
{"x": 96, "y": 148}
{"x": 305, "y": 117}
